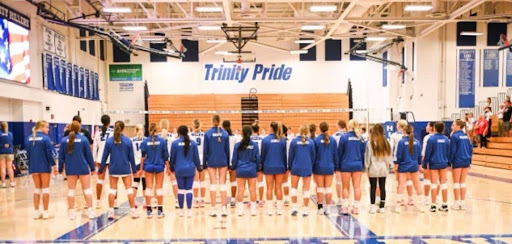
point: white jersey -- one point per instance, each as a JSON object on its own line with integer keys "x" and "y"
{"x": 233, "y": 139}
{"x": 136, "y": 142}
{"x": 424, "y": 146}
{"x": 338, "y": 135}
{"x": 393, "y": 142}
{"x": 257, "y": 139}
{"x": 99, "y": 144}
{"x": 289, "y": 140}
{"x": 170, "y": 138}
{"x": 198, "y": 137}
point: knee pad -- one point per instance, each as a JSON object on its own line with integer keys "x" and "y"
{"x": 444, "y": 186}
{"x": 88, "y": 191}
{"x": 320, "y": 190}
{"x": 293, "y": 192}
{"x": 338, "y": 182}
{"x": 286, "y": 184}
{"x": 213, "y": 187}
{"x": 456, "y": 185}
{"x": 130, "y": 191}
{"x": 426, "y": 182}
{"x": 135, "y": 184}
{"x": 37, "y": 191}
{"x": 45, "y": 190}
{"x": 307, "y": 194}
{"x": 159, "y": 192}
{"x": 181, "y": 191}
{"x": 260, "y": 184}
{"x": 409, "y": 183}
{"x": 112, "y": 191}
{"x": 195, "y": 185}
{"x": 233, "y": 183}
{"x": 223, "y": 188}
{"x": 100, "y": 182}
{"x": 189, "y": 192}
{"x": 433, "y": 186}
{"x": 173, "y": 183}
{"x": 202, "y": 184}
{"x": 148, "y": 193}
{"x": 71, "y": 193}
{"x": 328, "y": 190}
{"x": 463, "y": 185}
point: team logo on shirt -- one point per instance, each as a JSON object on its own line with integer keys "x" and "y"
{"x": 217, "y": 134}
{"x": 407, "y": 143}
{"x": 5, "y": 134}
{"x": 275, "y": 141}
{"x": 441, "y": 141}
{"x": 352, "y": 138}
{"x": 35, "y": 139}
{"x": 156, "y": 143}
{"x": 250, "y": 147}
{"x": 464, "y": 137}
{"x": 303, "y": 143}
{"x": 76, "y": 140}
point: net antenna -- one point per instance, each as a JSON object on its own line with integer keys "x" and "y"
{"x": 369, "y": 54}
{"x": 504, "y": 43}
{"x": 240, "y": 36}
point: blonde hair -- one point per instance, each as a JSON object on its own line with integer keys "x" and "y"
{"x": 40, "y": 124}
{"x": 197, "y": 125}
{"x": 303, "y": 130}
{"x": 353, "y": 125}
{"x": 277, "y": 127}
{"x": 5, "y": 126}
{"x": 164, "y": 124}
{"x": 402, "y": 123}
{"x": 139, "y": 131}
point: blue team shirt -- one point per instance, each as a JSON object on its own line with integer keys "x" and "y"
{"x": 215, "y": 153}
{"x": 80, "y": 160}
{"x": 461, "y": 150}
{"x": 436, "y": 154}
{"x": 184, "y": 165}
{"x": 247, "y": 161}
{"x": 39, "y": 153}
{"x": 273, "y": 155}
{"x": 155, "y": 154}
{"x": 301, "y": 157}
{"x": 326, "y": 158}
{"x": 407, "y": 162}
{"x": 122, "y": 158}
{"x": 6, "y": 139}
{"x": 351, "y": 153}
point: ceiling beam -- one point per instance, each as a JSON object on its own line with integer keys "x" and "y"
{"x": 203, "y": 20}
{"x": 375, "y": 2}
{"x": 226, "y": 5}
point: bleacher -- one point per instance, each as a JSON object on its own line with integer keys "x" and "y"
{"x": 498, "y": 153}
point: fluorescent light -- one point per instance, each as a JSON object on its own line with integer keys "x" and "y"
{"x": 224, "y": 53}
{"x": 135, "y": 28}
{"x": 117, "y": 10}
{"x": 393, "y": 27}
{"x": 313, "y": 27}
{"x": 208, "y": 27}
{"x": 418, "y": 8}
{"x": 375, "y": 38}
{"x": 299, "y": 51}
{"x": 362, "y": 51}
{"x": 471, "y": 33}
{"x": 216, "y": 41}
{"x": 305, "y": 41}
{"x": 208, "y": 9}
{"x": 323, "y": 8}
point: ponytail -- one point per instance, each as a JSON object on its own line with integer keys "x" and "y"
{"x": 197, "y": 125}
{"x": 152, "y": 132}
{"x": 40, "y": 124}
{"x": 277, "y": 127}
{"x": 164, "y": 124}
{"x": 105, "y": 121}
{"x": 226, "y": 125}
{"x": 246, "y": 132}
{"x": 33, "y": 135}
{"x": 324, "y": 128}
{"x": 256, "y": 127}
{"x": 312, "y": 131}
{"x": 74, "y": 129}
{"x": 353, "y": 125}
{"x": 118, "y": 128}
{"x": 409, "y": 131}
{"x": 303, "y": 133}
{"x": 183, "y": 131}
{"x": 5, "y": 126}
{"x": 216, "y": 122}
{"x": 139, "y": 131}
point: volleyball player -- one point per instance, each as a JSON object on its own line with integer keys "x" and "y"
{"x": 326, "y": 161}
{"x": 97, "y": 152}
{"x": 184, "y": 162}
{"x": 76, "y": 156}
{"x": 170, "y": 137}
{"x": 342, "y": 129}
{"x": 199, "y": 185}
{"x": 273, "y": 158}
{"x": 233, "y": 139}
{"x": 40, "y": 164}
{"x": 436, "y": 159}
{"x": 137, "y": 142}
{"x": 6, "y": 154}
{"x": 122, "y": 165}
{"x": 426, "y": 171}
{"x": 153, "y": 161}
{"x": 246, "y": 162}
{"x": 461, "y": 151}
{"x": 408, "y": 156}
{"x": 259, "y": 184}
{"x": 351, "y": 157}
{"x": 288, "y": 135}
{"x": 378, "y": 162}
{"x": 395, "y": 138}
{"x": 216, "y": 158}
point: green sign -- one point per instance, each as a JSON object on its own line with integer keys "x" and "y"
{"x": 125, "y": 72}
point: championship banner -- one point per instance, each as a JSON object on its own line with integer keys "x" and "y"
{"x": 48, "y": 82}
{"x": 508, "y": 68}
{"x": 491, "y": 68}
{"x": 56, "y": 74}
{"x": 87, "y": 93}
{"x": 466, "y": 79}
{"x": 76, "y": 87}
{"x": 69, "y": 80}
{"x": 97, "y": 89}
{"x": 63, "y": 77}
{"x": 81, "y": 83}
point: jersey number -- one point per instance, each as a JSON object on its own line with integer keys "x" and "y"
{"x": 105, "y": 137}
{"x": 198, "y": 140}
{"x": 138, "y": 146}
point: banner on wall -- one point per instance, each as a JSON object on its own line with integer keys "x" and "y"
{"x": 508, "y": 68}
{"x": 56, "y": 74}
{"x": 125, "y": 72}
{"x": 466, "y": 82}
{"x": 87, "y": 86}
{"x": 63, "y": 76}
{"x": 491, "y": 68}
{"x": 14, "y": 16}
{"x": 54, "y": 42}
{"x": 69, "y": 80}
{"x": 97, "y": 89}
{"x": 91, "y": 84}
{"x": 81, "y": 83}
{"x": 384, "y": 70}
{"x": 48, "y": 81}
{"x": 76, "y": 87}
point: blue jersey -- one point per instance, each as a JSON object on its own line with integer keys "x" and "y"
{"x": 122, "y": 158}
{"x": 407, "y": 162}
{"x": 247, "y": 161}
{"x": 6, "y": 139}
{"x": 184, "y": 165}
{"x": 273, "y": 155}
{"x": 215, "y": 153}
{"x": 436, "y": 154}
{"x": 326, "y": 159}
{"x": 155, "y": 154}
{"x": 80, "y": 160}
{"x": 461, "y": 150}
{"x": 39, "y": 153}
{"x": 302, "y": 157}
{"x": 351, "y": 153}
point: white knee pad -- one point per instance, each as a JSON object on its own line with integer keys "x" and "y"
{"x": 182, "y": 191}
{"x": 320, "y": 190}
{"x": 456, "y": 186}
{"x": 444, "y": 186}
{"x": 213, "y": 187}
{"x": 88, "y": 191}
{"x": 260, "y": 184}
{"x": 112, "y": 191}
{"x": 173, "y": 183}
{"x": 37, "y": 191}
{"x": 202, "y": 184}
{"x": 45, "y": 190}
{"x": 71, "y": 193}
{"x": 434, "y": 186}
{"x": 195, "y": 185}
{"x": 463, "y": 185}
{"x": 100, "y": 182}
{"x": 135, "y": 184}
{"x": 223, "y": 188}
{"x": 286, "y": 184}
{"x": 307, "y": 194}
{"x": 159, "y": 192}
{"x": 148, "y": 193}
{"x": 189, "y": 192}
{"x": 338, "y": 182}
{"x": 426, "y": 182}
{"x": 233, "y": 183}
{"x": 293, "y": 192}
{"x": 409, "y": 183}
{"x": 328, "y": 190}
{"x": 129, "y": 191}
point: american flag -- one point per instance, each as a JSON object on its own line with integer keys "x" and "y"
{"x": 14, "y": 52}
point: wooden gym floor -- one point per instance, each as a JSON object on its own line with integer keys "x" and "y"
{"x": 488, "y": 219}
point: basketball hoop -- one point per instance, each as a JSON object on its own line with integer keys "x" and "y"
{"x": 239, "y": 61}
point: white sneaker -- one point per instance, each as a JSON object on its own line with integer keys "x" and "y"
{"x": 373, "y": 209}
{"x": 46, "y": 215}
{"x": 115, "y": 204}
{"x": 189, "y": 213}
{"x": 98, "y": 204}
{"x": 455, "y": 206}
{"x": 181, "y": 213}
{"x": 37, "y": 214}
{"x": 71, "y": 214}
{"x": 240, "y": 209}
{"x": 13, "y": 185}
{"x": 134, "y": 213}
{"x": 3, "y": 185}
{"x": 427, "y": 201}
{"x": 305, "y": 212}
{"x": 92, "y": 215}
{"x": 253, "y": 210}
{"x": 213, "y": 213}
{"x": 320, "y": 211}
{"x": 270, "y": 212}
{"x": 111, "y": 214}
{"x": 397, "y": 209}
{"x": 462, "y": 206}
{"x": 224, "y": 211}
{"x": 382, "y": 210}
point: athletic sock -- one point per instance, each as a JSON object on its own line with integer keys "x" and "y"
{"x": 320, "y": 206}
{"x": 160, "y": 208}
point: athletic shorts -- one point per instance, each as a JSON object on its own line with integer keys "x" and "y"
{"x": 8, "y": 157}
{"x": 506, "y": 125}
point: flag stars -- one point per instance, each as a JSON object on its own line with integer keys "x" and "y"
{"x": 2, "y": 57}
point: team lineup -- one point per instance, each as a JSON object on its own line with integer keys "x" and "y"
{"x": 254, "y": 162}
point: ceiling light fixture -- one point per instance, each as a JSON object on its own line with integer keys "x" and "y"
{"x": 418, "y": 8}
{"x": 208, "y": 9}
{"x": 135, "y": 28}
{"x": 323, "y": 8}
{"x": 117, "y": 10}
{"x": 299, "y": 51}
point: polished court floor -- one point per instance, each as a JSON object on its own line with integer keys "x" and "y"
{"x": 488, "y": 219}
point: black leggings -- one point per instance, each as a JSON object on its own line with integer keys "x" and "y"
{"x": 373, "y": 189}
{"x": 138, "y": 179}
{"x": 483, "y": 141}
